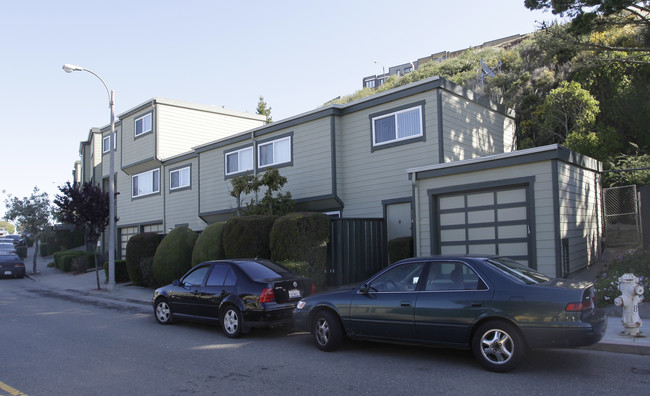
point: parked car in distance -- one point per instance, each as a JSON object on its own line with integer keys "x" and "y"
{"x": 11, "y": 266}
{"x": 17, "y": 240}
{"x": 7, "y": 247}
{"x": 494, "y": 306}
{"x": 239, "y": 294}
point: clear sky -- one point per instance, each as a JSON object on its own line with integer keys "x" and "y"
{"x": 297, "y": 54}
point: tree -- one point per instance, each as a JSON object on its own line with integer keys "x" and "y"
{"x": 87, "y": 207}
{"x": 32, "y": 214}
{"x": 8, "y": 226}
{"x": 269, "y": 205}
{"x": 262, "y": 109}
{"x": 243, "y": 185}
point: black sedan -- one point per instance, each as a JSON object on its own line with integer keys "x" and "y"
{"x": 239, "y": 294}
{"x": 494, "y": 306}
{"x": 11, "y": 266}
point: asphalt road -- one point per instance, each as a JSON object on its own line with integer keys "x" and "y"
{"x": 55, "y": 343}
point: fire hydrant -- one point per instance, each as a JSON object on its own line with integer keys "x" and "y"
{"x": 631, "y": 296}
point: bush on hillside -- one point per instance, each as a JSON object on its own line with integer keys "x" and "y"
{"x": 138, "y": 247}
{"x": 174, "y": 255}
{"x": 63, "y": 260}
{"x": 248, "y": 236}
{"x": 400, "y": 248}
{"x": 209, "y": 245}
{"x": 607, "y": 282}
{"x": 303, "y": 236}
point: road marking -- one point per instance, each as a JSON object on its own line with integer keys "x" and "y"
{"x": 10, "y": 390}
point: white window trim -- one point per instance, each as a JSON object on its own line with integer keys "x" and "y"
{"x": 250, "y": 148}
{"x": 104, "y": 149}
{"x": 141, "y": 174}
{"x": 189, "y": 178}
{"x": 272, "y": 142}
{"x": 397, "y": 138}
{"x": 135, "y": 123}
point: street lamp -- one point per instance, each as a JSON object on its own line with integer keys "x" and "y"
{"x": 68, "y": 68}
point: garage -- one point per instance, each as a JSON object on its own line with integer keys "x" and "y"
{"x": 540, "y": 206}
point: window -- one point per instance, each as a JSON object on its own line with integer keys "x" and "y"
{"x": 179, "y": 178}
{"x": 146, "y": 183}
{"x": 448, "y": 275}
{"x": 195, "y": 278}
{"x": 401, "y": 125}
{"x": 106, "y": 143}
{"x": 401, "y": 278}
{"x": 370, "y": 83}
{"x": 239, "y": 161}
{"x": 274, "y": 152}
{"x": 143, "y": 124}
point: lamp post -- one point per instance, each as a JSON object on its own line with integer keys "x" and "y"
{"x": 68, "y": 68}
{"x": 383, "y": 72}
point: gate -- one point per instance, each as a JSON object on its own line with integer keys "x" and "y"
{"x": 622, "y": 226}
{"x": 359, "y": 248}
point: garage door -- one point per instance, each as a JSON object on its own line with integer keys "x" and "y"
{"x": 484, "y": 222}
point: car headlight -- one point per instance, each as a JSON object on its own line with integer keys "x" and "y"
{"x": 301, "y": 304}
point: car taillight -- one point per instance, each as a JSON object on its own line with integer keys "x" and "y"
{"x": 267, "y": 296}
{"x": 313, "y": 288}
{"x": 20, "y": 264}
{"x": 580, "y": 306}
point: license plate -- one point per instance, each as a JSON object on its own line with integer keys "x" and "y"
{"x": 8, "y": 273}
{"x": 295, "y": 293}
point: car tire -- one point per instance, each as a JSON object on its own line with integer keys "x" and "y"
{"x": 498, "y": 346}
{"x": 231, "y": 321}
{"x": 163, "y": 312}
{"x": 327, "y": 331}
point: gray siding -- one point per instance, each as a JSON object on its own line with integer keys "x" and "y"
{"x": 136, "y": 150}
{"x": 182, "y": 205}
{"x": 145, "y": 209}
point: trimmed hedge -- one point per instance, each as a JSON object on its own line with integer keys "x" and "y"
{"x": 174, "y": 255}
{"x": 21, "y": 251}
{"x": 209, "y": 246}
{"x": 43, "y": 249}
{"x": 146, "y": 267}
{"x": 77, "y": 238}
{"x": 121, "y": 274}
{"x": 63, "y": 260}
{"x": 138, "y": 247}
{"x": 248, "y": 236}
{"x": 303, "y": 236}
{"x": 400, "y": 248}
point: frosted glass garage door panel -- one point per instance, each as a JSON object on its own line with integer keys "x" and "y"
{"x": 513, "y": 249}
{"x": 451, "y": 202}
{"x": 481, "y": 233}
{"x": 481, "y": 216}
{"x": 480, "y": 199}
{"x": 452, "y": 219}
{"x": 511, "y": 196}
{"x": 482, "y": 249}
{"x": 514, "y": 231}
{"x": 509, "y": 214}
{"x": 453, "y": 250}
{"x": 453, "y": 235}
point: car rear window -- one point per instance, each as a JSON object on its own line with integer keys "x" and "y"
{"x": 518, "y": 271}
{"x": 263, "y": 270}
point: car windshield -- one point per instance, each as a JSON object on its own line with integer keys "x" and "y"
{"x": 516, "y": 270}
{"x": 263, "y": 270}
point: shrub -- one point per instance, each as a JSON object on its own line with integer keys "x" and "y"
{"x": 209, "y": 246}
{"x": 43, "y": 250}
{"x": 21, "y": 251}
{"x": 30, "y": 241}
{"x": 303, "y": 236}
{"x": 138, "y": 247}
{"x": 174, "y": 255}
{"x": 146, "y": 268}
{"x": 121, "y": 274}
{"x": 299, "y": 267}
{"x": 607, "y": 282}
{"x": 80, "y": 264}
{"x": 400, "y": 248}
{"x": 61, "y": 240}
{"x": 77, "y": 238}
{"x": 248, "y": 236}
{"x": 63, "y": 260}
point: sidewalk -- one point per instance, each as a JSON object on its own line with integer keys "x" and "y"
{"x": 86, "y": 284}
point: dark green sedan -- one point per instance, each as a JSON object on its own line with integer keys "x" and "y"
{"x": 494, "y": 306}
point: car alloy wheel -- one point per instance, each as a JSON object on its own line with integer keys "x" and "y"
{"x": 163, "y": 312}
{"x": 498, "y": 346}
{"x": 327, "y": 331}
{"x": 231, "y": 321}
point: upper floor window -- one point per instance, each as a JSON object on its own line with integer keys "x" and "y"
{"x": 274, "y": 152}
{"x": 179, "y": 178}
{"x": 146, "y": 183}
{"x": 370, "y": 83}
{"x": 239, "y": 161}
{"x": 400, "y": 125}
{"x": 143, "y": 124}
{"x": 106, "y": 143}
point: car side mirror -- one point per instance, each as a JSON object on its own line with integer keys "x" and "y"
{"x": 363, "y": 289}
{"x": 176, "y": 283}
